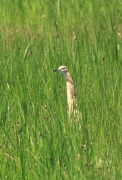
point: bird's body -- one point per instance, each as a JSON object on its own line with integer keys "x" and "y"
{"x": 71, "y": 92}
{"x": 71, "y": 95}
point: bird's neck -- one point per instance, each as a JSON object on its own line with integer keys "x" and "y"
{"x": 68, "y": 78}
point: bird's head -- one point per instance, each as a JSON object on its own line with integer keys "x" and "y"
{"x": 62, "y": 69}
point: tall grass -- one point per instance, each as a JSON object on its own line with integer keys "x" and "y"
{"x": 37, "y": 139}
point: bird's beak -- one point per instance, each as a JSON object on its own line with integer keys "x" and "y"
{"x": 56, "y": 70}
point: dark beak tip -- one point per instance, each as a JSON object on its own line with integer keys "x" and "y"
{"x": 55, "y": 70}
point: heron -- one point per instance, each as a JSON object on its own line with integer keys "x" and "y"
{"x": 71, "y": 90}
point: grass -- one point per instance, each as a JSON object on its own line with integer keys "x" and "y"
{"x": 37, "y": 140}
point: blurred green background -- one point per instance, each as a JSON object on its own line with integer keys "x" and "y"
{"x": 38, "y": 141}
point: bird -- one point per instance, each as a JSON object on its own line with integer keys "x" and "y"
{"x": 71, "y": 90}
